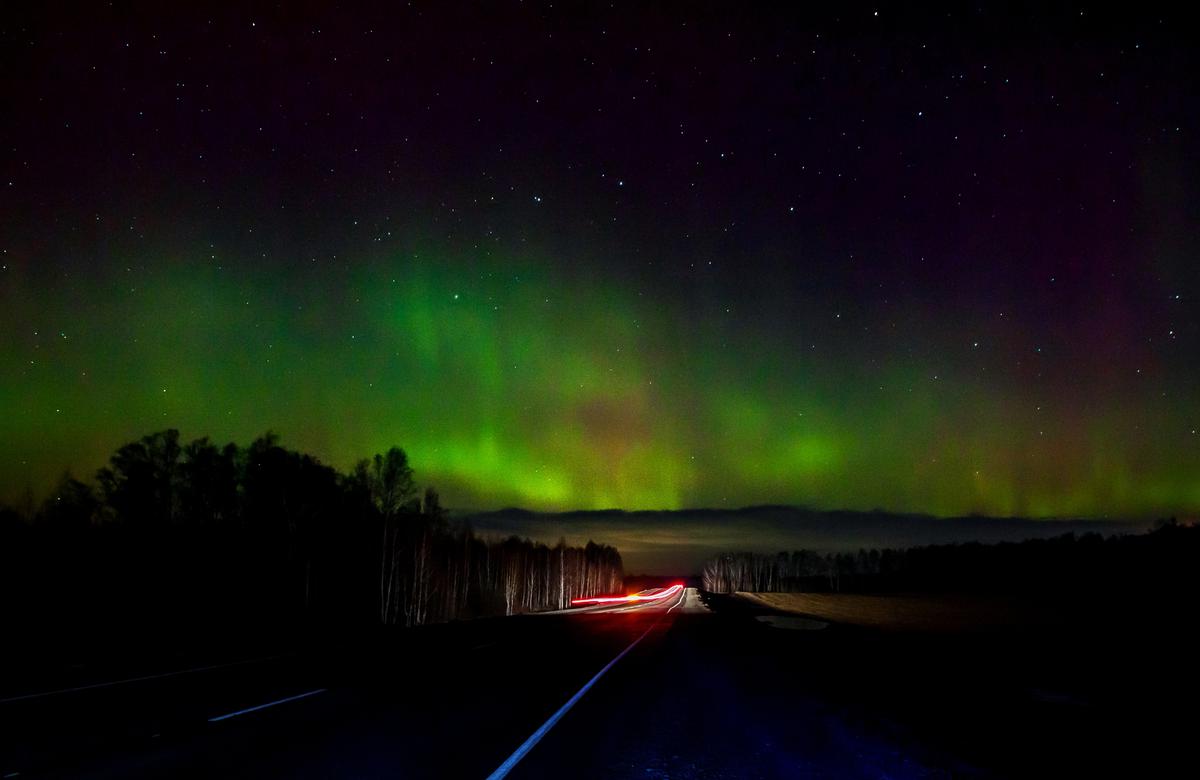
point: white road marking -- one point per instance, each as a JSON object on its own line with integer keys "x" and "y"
{"x": 510, "y": 762}
{"x": 648, "y": 605}
{"x": 268, "y": 704}
{"x": 111, "y": 683}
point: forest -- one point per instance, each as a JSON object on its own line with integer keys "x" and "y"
{"x": 173, "y": 533}
{"x": 1160, "y": 560}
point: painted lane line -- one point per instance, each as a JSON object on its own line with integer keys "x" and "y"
{"x": 268, "y": 704}
{"x": 536, "y": 737}
{"x": 111, "y": 683}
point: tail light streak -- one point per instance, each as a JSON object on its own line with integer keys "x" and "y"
{"x": 633, "y": 598}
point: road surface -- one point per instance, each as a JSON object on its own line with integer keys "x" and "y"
{"x": 676, "y": 687}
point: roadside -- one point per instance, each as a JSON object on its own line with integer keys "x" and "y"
{"x": 1079, "y": 685}
{"x": 936, "y": 612}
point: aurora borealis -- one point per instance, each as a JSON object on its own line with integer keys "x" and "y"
{"x": 574, "y": 258}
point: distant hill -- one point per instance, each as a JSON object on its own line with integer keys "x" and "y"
{"x": 676, "y": 542}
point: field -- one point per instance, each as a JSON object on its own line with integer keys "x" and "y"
{"x": 937, "y": 613}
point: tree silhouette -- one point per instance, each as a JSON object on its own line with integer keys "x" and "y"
{"x": 141, "y": 481}
{"x": 71, "y": 507}
{"x": 209, "y": 490}
{"x": 389, "y": 482}
{"x": 1159, "y": 561}
{"x": 186, "y": 534}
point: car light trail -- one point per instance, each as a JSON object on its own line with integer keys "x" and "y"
{"x": 630, "y": 599}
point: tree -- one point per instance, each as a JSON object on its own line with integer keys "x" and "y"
{"x": 198, "y": 532}
{"x": 140, "y": 484}
{"x": 71, "y": 507}
{"x": 209, "y": 483}
{"x": 389, "y": 481}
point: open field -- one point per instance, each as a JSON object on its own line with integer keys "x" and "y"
{"x": 912, "y": 612}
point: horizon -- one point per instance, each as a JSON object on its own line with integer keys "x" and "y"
{"x": 652, "y": 542}
{"x": 32, "y": 493}
{"x": 37, "y": 494}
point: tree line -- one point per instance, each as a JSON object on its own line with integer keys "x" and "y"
{"x": 174, "y": 532}
{"x": 1161, "y": 559}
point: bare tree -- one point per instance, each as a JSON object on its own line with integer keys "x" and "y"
{"x": 389, "y": 481}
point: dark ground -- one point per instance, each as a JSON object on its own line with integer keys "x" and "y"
{"x": 716, "y": 694}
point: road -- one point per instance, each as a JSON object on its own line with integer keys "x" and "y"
{"x": 677, "y": 687}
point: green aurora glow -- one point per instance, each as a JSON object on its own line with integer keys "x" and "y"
{"x": 510, "y": 384}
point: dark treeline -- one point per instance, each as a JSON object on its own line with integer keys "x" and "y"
{"x": 200, "y": 534}
{"x": 1162, "y": 559}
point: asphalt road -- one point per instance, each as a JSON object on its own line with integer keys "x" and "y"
{"x": 673, "y": 688}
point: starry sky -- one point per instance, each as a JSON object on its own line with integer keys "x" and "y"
{"x": 580, "y": 256}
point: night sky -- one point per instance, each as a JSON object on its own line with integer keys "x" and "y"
{"x": 587, "y": 256}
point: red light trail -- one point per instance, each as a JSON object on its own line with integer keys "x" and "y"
{"x": 632, "y": 598}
